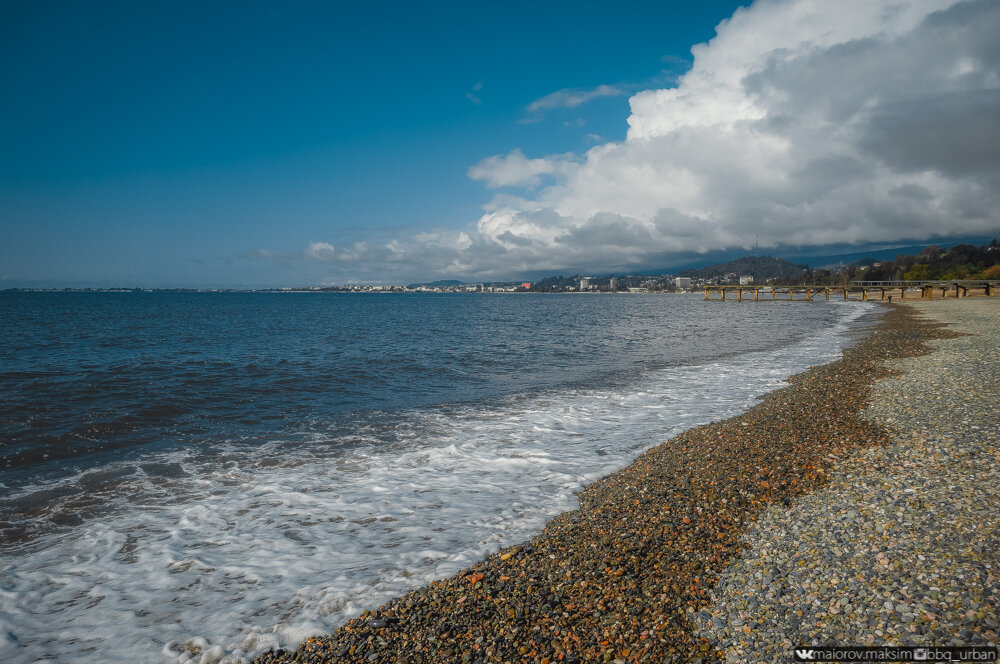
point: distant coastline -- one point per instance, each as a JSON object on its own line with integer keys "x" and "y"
{"x": 337, "y": 289}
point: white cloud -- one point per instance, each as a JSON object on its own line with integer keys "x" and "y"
{"x": 320, "y": 251}
{"x": 801, "y": 122}
{"x": 514, "y": 169}
{"x": 571, "y": 98}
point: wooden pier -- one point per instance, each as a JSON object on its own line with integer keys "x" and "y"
{"x": 860, "y": 291}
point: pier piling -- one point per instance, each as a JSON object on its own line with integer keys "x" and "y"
{"x": 886, "y": 290}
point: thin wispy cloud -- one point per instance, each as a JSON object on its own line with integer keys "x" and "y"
{"x": 472, "y": 96}
{"x": 571, "y": 98}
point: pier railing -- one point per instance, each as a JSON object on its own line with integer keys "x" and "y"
{"x": 860, "y": 290}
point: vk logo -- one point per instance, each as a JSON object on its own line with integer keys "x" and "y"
{"x": 804, "y": 655}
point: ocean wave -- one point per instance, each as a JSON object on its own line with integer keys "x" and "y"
{"x": 259, "y": 542}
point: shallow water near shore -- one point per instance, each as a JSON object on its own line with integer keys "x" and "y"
{"x": 194, "y": 476}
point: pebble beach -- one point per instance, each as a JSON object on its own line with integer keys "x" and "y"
{"x": 858, "y": 505}
{"x": 901, "y": 546}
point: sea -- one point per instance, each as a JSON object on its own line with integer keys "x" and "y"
{"x": 199, "y": 477}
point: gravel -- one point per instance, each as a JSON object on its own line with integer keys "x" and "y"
{"x": 901, "y": 547}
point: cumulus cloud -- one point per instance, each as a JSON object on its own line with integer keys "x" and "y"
{"x": 514, "y": 169}
{"x": 801, "y": 123}
{"x": 319, "y": 251}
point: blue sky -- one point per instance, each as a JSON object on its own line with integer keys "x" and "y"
{"x": 255, "y": 144}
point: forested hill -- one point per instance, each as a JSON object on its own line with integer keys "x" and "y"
{"x": 963, "y": 261}
{"x": 761, "y": 268}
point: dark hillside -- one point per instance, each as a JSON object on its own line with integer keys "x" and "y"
{"x": 761, "y": 268}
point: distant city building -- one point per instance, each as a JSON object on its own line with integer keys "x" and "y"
{"x": 585, "y": 284}
{"x": 526, "y": 284}
{"x": 683, "y": 282}
{"x": 614, "y": 284}
{"x": 744, "y": 280}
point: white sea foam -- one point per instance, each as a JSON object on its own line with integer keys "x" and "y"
{"x": 260, "y": 547}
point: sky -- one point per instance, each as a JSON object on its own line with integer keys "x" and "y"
{"x": 255, "y": 144}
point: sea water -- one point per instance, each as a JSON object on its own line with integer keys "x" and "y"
{"x": 198, "y": 477}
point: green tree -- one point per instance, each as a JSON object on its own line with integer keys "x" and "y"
{"x": 919, "y": 272}
{"x": 963, "y": 271}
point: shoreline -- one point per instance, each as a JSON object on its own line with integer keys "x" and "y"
{"x": 627, "y": 575}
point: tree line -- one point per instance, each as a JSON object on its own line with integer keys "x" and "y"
{"x": 963, "y": 261}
